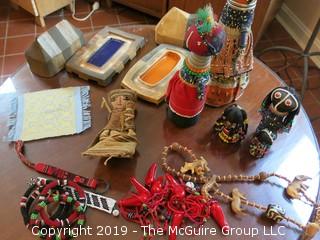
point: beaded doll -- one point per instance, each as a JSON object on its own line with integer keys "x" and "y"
{"x": 278, "y": 110}
{"x": 232, "y": 126}
{"x": 230, "y": 69}
{"x": 187, "y": 90}
{"x": 261, "y": 142}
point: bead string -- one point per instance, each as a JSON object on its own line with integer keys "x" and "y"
{"x": 213, "y": 186}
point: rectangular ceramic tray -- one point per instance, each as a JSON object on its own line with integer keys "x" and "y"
{"x": 105, "y": 55}
{"x": 150, "y": 76}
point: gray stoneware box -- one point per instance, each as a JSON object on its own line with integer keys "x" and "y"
{"x": 49, "y": 52}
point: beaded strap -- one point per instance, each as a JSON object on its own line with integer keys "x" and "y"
{"x": 99, "y": 202}
{"x": 58, "y": 172}
{"x": 96, "y": 201}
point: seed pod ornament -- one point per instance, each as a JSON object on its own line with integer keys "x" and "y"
{"x": 232, "y": 126}
{"x": 230, "y": 69}
{"x": 278, "y": 111}
{"x": 187, "y": 89}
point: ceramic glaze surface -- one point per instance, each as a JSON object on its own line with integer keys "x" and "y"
{"x": 160, "y": 69}
{"x": 105, "y": 52}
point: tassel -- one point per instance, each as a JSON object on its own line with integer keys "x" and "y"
{"x": 12, "y": 120}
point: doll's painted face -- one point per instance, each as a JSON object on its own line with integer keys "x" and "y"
{"x": 119, "y": 102}
{"x": 283, "y": 101}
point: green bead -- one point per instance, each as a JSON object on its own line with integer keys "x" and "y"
{"x": 69, "y": 199}
{"x": 79, "y": 209}
{"x": 42, "y": 204}
{"x": 80, "y": 222}
{"x": 57, "y": 237}
{"x": 34, "y": 216}
{"x": 56, "y": 197}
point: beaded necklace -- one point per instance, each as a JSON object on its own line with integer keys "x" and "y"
{"x": 200, "y": 173}
{"x": 43, "y": 192}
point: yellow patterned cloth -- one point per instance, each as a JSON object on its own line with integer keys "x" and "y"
{"x": 49, "y": 113}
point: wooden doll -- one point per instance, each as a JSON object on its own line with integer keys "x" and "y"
{"x": 187, "y": 89}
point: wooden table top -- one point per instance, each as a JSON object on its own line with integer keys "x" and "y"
{"x": 291, "y": 154}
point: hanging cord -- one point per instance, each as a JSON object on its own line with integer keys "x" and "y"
{"x": 95, "y": 7}
{"x": 19, "y": 149}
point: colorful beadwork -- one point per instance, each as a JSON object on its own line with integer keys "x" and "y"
{"x": 232, "y": 126}
{"x": 187, "y": 89}
{"x": 261, "y": 142}
{"x": 231, "y": 67}
{"x": 278, "y": 111}
{"x": 38, "y": 196}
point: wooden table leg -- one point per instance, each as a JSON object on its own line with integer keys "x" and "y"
{"x": 40, "y": 21}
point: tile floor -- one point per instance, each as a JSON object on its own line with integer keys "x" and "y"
{"x": 17, "y": 31}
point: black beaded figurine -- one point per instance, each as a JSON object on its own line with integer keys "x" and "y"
{"x": 232, "y": 126}
{"x": 261, "y": 142}
{"x": 278, "y": 110}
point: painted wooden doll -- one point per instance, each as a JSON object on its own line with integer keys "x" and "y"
{"x": 230, "y": 69}
{"x": 187, "y": 89}
{"x": 232, "y": 126}
{"x": 278, "y": 111}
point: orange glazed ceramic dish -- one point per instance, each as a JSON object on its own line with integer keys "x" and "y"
{"x": 161, "y": 68}
{"x": 150, "y": 76}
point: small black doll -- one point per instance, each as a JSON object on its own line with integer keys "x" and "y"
{"x": 261, "y": 142}
{"x": 232, "y": 126}
{"x": 278, "y": 110}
